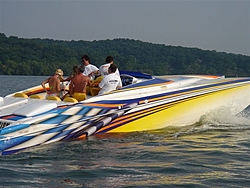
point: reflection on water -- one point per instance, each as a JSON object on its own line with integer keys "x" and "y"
{"x": 206, "y": 158}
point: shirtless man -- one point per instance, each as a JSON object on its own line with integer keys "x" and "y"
{"x": 54, "y": 83}
{"x": 79, "y": 83}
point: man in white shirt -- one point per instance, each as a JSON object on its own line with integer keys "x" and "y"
{"x": 110, "y": 82}
{"x": 90, "y": 70}
{"x": 103, "y": 70}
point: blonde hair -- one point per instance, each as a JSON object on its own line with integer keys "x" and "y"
{"x": 60, "y": 73}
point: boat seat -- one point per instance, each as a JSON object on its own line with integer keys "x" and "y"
{"x": 87, "y": 89}
{"x": 36, "y": 96}
{"x": 94, "y": 91}
{"x": 80, "y": 96}
{"x": 23, "y": 95}
{"x": 70, "y": 99}
{"x": 55, "y": 98}
{"x": 97, "y": 81}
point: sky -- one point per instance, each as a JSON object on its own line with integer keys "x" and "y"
{"x": 221, "y": 25}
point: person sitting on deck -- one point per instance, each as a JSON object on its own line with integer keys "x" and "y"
{"x": 54, "y": 83}
{"x": 111, "y": 81}
{"x": 78, "y": 84}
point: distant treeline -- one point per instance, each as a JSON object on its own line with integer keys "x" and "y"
{"x": 20, "y": 56}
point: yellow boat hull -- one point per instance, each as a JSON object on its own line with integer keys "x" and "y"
{"x": 183, "y": 112}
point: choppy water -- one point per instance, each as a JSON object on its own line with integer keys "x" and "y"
{"x": 212, "y": 153}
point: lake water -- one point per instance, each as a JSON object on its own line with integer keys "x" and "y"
{"x": 213, "y": 153}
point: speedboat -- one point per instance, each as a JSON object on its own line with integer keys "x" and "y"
{"x": 145, "y": 102}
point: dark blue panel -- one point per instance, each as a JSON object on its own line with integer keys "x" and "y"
{"x": 137, "y": 74}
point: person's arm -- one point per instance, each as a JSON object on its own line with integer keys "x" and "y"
{"x": 102, "y": 83}
{"x": 94, "y": 70}
{"x": 119, "y": 86}
{"x": 71, "y": 89}
{"x": 89, "y": 83}
{"x": 43, "y": 84}
{"x": 100, "y": 72}
{"x": 90, "y": 75}
{"x": 68, "y": 79}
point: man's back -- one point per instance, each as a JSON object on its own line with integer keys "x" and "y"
{"x": 79, "y": 83}
{"x": 109, "y": 83}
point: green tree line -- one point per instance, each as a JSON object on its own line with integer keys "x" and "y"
{"x": 42, "y": 57}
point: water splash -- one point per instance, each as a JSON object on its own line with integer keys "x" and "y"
{"x": 220, "y": 119}
{"x": 224, "y": 117}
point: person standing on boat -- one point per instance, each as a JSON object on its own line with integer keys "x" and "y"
{"x": 103, "y": 70}
{"x": 110, "y": 82}
{"x": 54, "y": 84}
{"x": 78, "y": 84}
{"x": 90, "y": 70}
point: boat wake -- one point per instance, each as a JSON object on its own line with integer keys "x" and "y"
{"x": 219, "y": 120}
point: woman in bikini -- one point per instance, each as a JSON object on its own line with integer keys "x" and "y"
{"x": 54, "y": 84}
